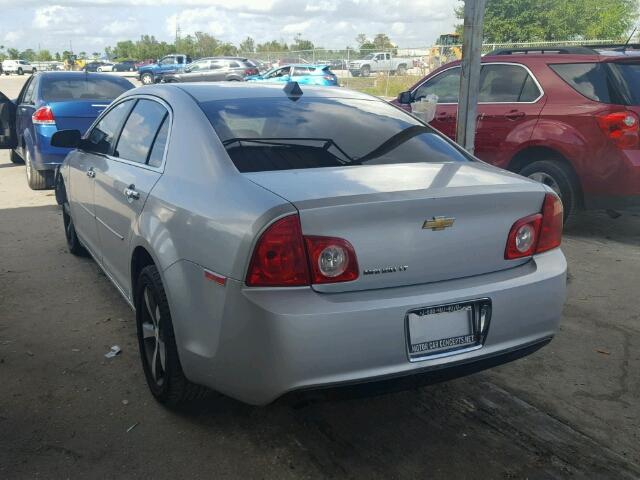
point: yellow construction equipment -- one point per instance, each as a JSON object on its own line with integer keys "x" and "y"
{"x": 447, "y": 49}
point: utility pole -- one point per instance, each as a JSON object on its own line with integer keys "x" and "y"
{"x": 470, "y": 78}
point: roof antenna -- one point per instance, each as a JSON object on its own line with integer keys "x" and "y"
{"x": 293, "y": 91}
{"x": 626, "y": 44}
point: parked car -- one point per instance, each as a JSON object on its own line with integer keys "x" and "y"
{"x": 105, "y": 67}
{"x": 125, "y": 66}
{"x": 303, "y": 74}
{"x": 379, "y": 62}
{"x": 214, "y": 69}
{"x": 279, "y": 239}
{"x": 19, "y": 67}
{"x": 567, "y": 117}
{"x": 48, "y": 102}
{"x": 154, "y": 72}
{"x": 93, "y": 66}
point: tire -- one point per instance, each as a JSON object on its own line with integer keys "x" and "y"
{"x": 355, "y": 74}
{"x": 560, "y": 178}
{"x": 146, "y": 79}
{"x": 132, "y": 70}
{"x": 167, "y": 382}
{"x": 15, "y": 158}
{"x": 73, "y": 242}
{"x": 365, "y": 71}
{"x": 20, "y": 71}
{"x": 402, "y": 70}
{"x": 37, "y": 179}
{"x": 33, "y": 71}
{"x": 99, "y": 69}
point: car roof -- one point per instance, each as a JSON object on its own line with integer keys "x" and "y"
{"x": 212, "y": 91}
{"x": 80, "y": 75}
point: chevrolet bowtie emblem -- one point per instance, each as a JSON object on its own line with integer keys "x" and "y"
{"x": 438, "y": 223}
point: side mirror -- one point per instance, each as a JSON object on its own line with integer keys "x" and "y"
{"x": 405, "y": 98}
{"x": 66, "y": 138}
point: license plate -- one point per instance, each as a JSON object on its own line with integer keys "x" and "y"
{"x": 447, "y": 329}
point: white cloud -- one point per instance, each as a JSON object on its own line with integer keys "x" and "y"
{"x": 295, "y": 28}
{"x": 130, "y": 27}
{"x": 11, "y": 37}
{"x": 47, "y": 17}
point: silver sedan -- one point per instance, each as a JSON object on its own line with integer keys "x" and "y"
{"x": 276, "y": 240}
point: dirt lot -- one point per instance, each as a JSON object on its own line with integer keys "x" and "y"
{"x": 570, "y": 410}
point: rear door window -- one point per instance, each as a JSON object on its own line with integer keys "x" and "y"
{"x": 506, "y": 83}
{"x": 139, "y": 131}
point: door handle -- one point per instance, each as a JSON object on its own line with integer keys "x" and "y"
{"x": 91, "y": 173}
{"x": 131, "y": 193}
{"x": 515, "y": 115}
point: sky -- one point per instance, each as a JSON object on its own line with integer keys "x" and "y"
{"x": 91, "y": 25}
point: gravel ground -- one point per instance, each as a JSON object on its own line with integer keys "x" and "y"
{"x": 570, "y": 410}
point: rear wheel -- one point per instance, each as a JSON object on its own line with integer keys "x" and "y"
{"x": 365, "y": 71}
{"x": 557, "y": 176}
{"x": 402, "y": 70}
{"x": 99, "y": 69}
{"x": 33, "y": 70}
{"x": 20, "y": 71}
{"x": 146, "y": 79}
{"x": 37, "y": 179}
{"x": 157, "y": 343}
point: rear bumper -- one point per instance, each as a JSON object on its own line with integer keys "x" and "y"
{"x": 258, "y": 344}
{"x": 44, "y": 156}
{"x": 617, "y": 184}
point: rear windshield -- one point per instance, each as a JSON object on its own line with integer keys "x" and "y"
{"x": 90, "y": 88}
{"x": 263, "y": 134}
{"x": 607, "y": 82}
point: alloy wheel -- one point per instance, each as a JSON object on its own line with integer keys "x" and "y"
{"x": 547, "y": 180}
{"x": 27, "y": 161}
{"x": 153, "y": 338}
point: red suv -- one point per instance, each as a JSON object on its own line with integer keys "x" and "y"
{"x": 568, "y": 117}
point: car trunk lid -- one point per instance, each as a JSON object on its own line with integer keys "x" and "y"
{"x": 396, "y": 217}
{"x": 78, "y": 114}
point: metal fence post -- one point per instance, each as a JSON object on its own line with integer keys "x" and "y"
{"x": 470, "y": 78}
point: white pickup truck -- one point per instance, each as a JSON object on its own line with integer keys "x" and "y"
{"x": 379, "y": 62}
{"x": 17, "y": 66}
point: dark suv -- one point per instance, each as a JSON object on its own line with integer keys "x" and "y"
{"x": 214, "y": 69}
{"x": 568, "y": 117}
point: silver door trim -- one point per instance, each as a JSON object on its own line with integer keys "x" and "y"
{"x": 533, "y": 77}
{"x": 102, "y": 222}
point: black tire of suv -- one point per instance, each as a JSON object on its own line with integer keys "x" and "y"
{"x": 73, "y": 242}
{"x": 33, "y": 70}
{"x": 402, "y": 70}
{"x": 15, "y": 158}
{"x": 147, "y": 76}
{"x": 355, "y": 73}
{"x": 20, "y": 71}
{"x": 562, "y": 176}
{"x": 365, "y": 71}
{"x": 176, "y": 390}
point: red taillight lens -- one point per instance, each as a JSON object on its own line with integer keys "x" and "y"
{"x": 536, "y": 233}
{"x": 279, "y": 259}
{"x": 621, "y": 128}
{"x": 43, "y": 116}
{"x": 331, "y": 260}
{"x": 552, "y": 220}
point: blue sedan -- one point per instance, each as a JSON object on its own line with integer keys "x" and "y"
{"x": 304, "y": 74}
{"x": 48, "y": 102}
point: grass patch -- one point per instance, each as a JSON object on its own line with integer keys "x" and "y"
{"x": 380, "y": 85}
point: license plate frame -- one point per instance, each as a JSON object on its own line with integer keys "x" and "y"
{"x": 478, "y": 315}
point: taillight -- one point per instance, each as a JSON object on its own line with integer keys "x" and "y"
{"x": 251, "y": 71}
{"x": 621, "y": 128}
{"x": 43, "y": 116}
{"x": 280, "y": 258}
{"x": 536, "y": 233}
{"x": 331, "y": 260}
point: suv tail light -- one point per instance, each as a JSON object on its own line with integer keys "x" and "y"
{"x": 251, "y": 71}
{"x": 280, "y": 259}
{"x": 622, "y": 128}
{"x": 43, "y": 116}
{"x": 536, "y": 233}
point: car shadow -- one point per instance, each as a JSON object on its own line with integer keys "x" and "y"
{"x": 620, "y": 226}
{"x": 9, "y": 165}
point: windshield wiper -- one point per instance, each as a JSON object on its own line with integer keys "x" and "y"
{"x": 326, "y": 144}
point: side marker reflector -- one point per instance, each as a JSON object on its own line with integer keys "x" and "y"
{"x": 219, "y": 279}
